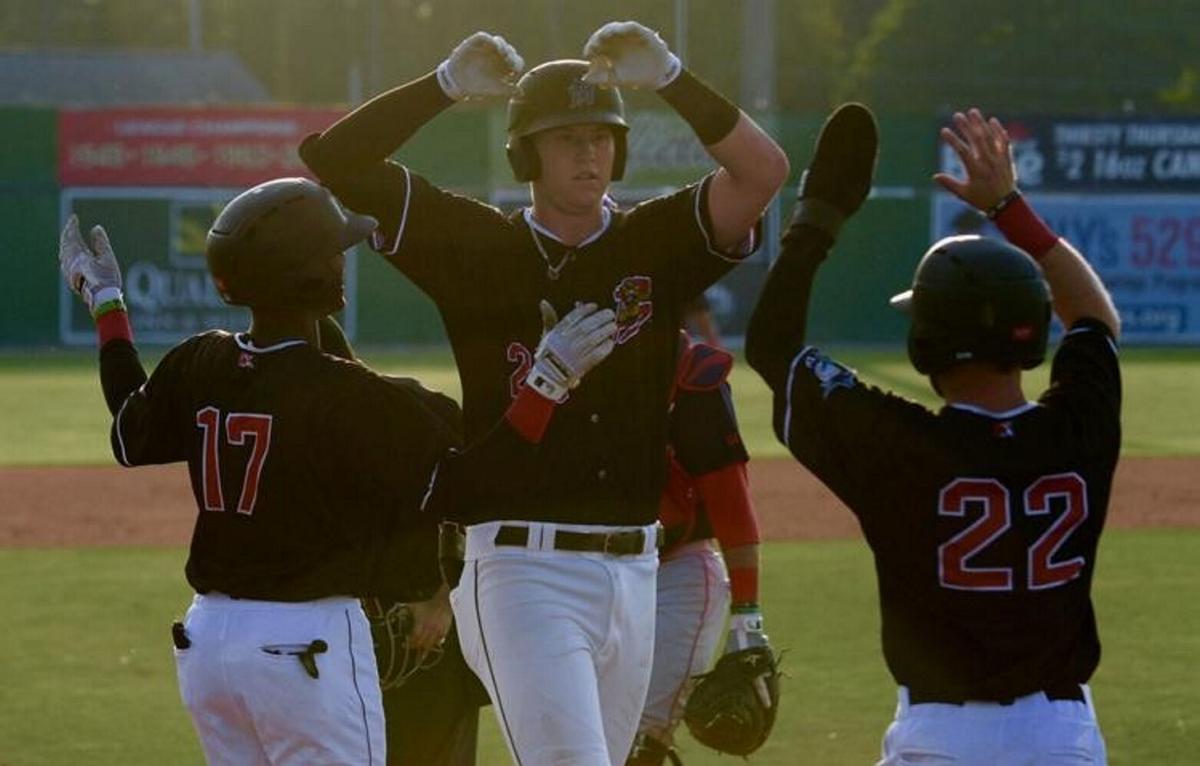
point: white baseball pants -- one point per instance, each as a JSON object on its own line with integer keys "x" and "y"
{"x": 1032, "y": 731}
{"x": 251, "y": 699}
{"x": 562, "y": 641}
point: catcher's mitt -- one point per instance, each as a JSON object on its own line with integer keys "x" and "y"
{"x": 391, "y": 622}
{"x": 732, "y": 708}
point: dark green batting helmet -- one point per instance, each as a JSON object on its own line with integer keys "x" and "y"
{"x": 554, "y": 95}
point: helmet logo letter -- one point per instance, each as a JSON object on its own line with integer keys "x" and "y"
{"x": 581, "y": 94}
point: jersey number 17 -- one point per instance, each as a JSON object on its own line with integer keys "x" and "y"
{"x": 238, "y": 426}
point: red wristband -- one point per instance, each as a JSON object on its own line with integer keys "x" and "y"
{"x": 743, "y": 585}
{"x": 113, "y": 325}
{"x": 529, "y": 414}
{"x": 1024, "y": 228}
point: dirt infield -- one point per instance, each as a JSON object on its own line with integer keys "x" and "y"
{"x": 75, "y": 507}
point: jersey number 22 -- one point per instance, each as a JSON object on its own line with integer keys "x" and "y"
{"x": 954, "y": 570}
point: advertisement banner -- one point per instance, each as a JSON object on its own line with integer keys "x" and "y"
{"x": 183, "y": 147}
{"x": 1145, "y": 247}
{"x": 159, "y": 237}
{"x": 1122, "y": 154}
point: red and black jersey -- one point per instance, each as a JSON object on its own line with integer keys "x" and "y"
{"x": 984, "y": 526}
{"x": 304, "y": 467}
{"x": 604, "y": 454}
{"x": 703, "y": 437}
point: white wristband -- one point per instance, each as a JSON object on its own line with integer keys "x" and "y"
{"x": 674, "y": 67}
{"x": 106, "y": 294}
{"x": 449, "y": 87}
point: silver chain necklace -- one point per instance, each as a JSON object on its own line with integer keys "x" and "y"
{"x": 551, "y": 270}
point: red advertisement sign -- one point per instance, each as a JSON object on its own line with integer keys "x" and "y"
{"x": 183, "y": 146}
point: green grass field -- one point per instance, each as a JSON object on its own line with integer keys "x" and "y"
{"x": 55, "y": 413}
{"x": 88, "y": 675}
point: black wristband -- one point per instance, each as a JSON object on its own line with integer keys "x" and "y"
{"x": 711, "y": 116}
{"x": 1004, "y": 202}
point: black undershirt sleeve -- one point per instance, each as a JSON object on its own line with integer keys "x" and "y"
{"x": 121, "y": 372}
{"x": 778, "y": 324}
{"x": 374, "y": 131}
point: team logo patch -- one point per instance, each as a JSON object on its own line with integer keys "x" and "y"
{"x": 1003, "y": 429}
{"x": 634, "y": 308}
{"x": 246, "y": 360}
{"x": 832, "y": 375}
{"x": 581, "y": 95}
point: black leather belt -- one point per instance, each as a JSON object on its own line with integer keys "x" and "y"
{"x": 1063, "y": 692}
{"x": 626, "y": 543}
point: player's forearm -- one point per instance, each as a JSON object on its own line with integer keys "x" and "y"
{"x": 778, "y": 325}
{"x": 1076, "y": 289}
{"x": 753, "y": 167}
{"x": 754, "y": 164}
{"x": 752, "y": 159}
{"x": 726, "y": 495}
{"x": 121, "y": 371}
{"x": 743, "y": 565}
{"x": 374, "y": 131}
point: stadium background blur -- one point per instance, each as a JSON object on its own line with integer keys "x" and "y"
{"x": 100, "y": 102}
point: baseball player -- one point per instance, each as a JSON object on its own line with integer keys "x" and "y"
{"x": 983, "y": 516}
{"x": 431, "y": 699}
{"x": 555, "y": 610}
{"x": 707, "y": 496}
{"x": 309, "y": 475}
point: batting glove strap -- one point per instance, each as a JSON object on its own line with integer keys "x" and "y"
{"x": 549, "y": 379}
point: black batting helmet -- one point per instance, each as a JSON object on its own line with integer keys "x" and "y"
{"x": 975, "y": 298}
{"x": 267, "y": 246}
{"x": 554, "y": 95}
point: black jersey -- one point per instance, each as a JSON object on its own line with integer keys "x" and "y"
{"x": 984, "y": 526}
{"x": 603, "y": 459}
{"x": 304, "y": 467}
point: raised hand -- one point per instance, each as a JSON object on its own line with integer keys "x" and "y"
{"x": 480, "y": 66}
{"x": 91, "y": 272}
{"x": 627, "y": 53}
{"x": 984, "y": 148}
{"x": 570, "y": 348}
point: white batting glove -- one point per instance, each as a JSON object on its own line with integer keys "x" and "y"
{"x": 480, "y": 66}
{"x": 745, "y": 631}
{"x": 91, "y": 272}
{"x": 570, "y": 348}
{"x": 627, "y": 53}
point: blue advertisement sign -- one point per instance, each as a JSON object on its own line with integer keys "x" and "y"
{"x": 1145, "y": 247}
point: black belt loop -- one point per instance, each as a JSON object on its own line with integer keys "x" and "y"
{"x": 623, "y": 543}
